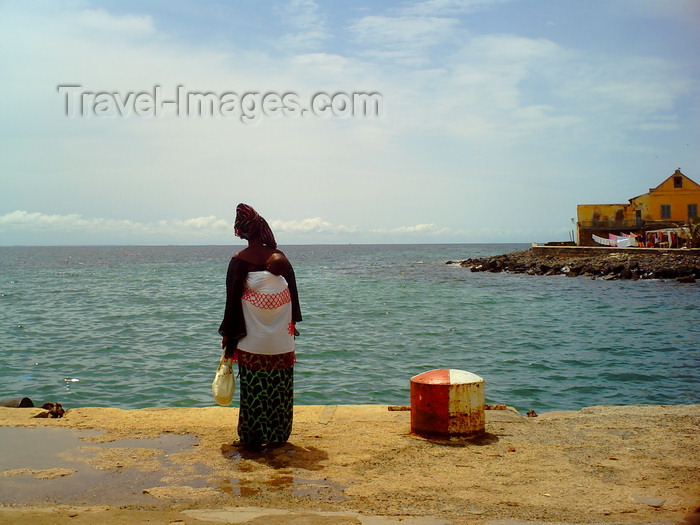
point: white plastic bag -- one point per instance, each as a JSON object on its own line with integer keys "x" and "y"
{"x": 224, "y": 383}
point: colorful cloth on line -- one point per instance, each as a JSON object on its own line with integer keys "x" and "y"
{"x": 267, "y": 406}
{"x": 620, "y": 241}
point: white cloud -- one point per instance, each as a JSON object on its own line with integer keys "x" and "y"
{"x": 196, "y": 229}
{"x": 512, "y": 49}
{"x": 78, "y": 225}
{"x": 31, "y": 228}
{"x": 323, "y": 66}
{"x": 685, "y": 11}
{"x": 206, "y": 225}
{"x": 101, "y": 22}
{"x": 310, "y": 225}
{"x": 435, "y": 7}
{"x": 415, "y": 229}
{"x": 500, "y": 88}
{"x": 403, "y": 39}
{"x": 70, "y": 222}
{"x": 637, "y": 84}
{"x": 478, "y": 126}
{"x": 308, "y": 24}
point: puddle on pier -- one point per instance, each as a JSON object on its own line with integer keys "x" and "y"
{"x": 318, "y": 489}
{"x": 54, "y": 465}
{"x": 284, "y": 460}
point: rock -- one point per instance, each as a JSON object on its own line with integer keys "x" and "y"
{"x": 53, "y": 410}
{"x": 608, "y": 266}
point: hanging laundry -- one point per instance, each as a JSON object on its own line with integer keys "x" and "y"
{"x": 601, "y": 240}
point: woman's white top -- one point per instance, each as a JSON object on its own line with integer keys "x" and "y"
{"x": 267, "y": 310}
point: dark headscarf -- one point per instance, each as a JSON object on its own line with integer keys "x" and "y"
{"x": 249, "y": 225}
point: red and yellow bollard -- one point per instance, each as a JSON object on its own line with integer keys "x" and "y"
{"x": 447, "y": 403}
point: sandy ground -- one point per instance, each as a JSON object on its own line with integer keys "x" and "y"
{"x": 349, "y": 464}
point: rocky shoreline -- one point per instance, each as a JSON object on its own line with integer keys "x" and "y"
{"x": 615, "y": 265}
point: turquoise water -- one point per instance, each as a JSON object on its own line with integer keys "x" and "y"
{"x": 135, "y": 327}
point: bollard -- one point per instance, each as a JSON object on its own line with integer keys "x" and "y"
{"x": 16, "y": 402}
{"x": 447, "y": 403}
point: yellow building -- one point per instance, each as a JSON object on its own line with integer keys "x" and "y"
{"x": 673, "y": 201}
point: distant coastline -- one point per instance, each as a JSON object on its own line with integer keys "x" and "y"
{"x": 606, "y": 263}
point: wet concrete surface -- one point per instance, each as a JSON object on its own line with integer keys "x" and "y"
{"x": 285, "y": 460}
{"x": 59, "y": 465}
{"x": 42, "y": 464}
{"x": 351, "y": 464}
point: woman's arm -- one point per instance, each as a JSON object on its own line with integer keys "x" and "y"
{"x": 232, "y": 327}
{"x": 292, "y": 283}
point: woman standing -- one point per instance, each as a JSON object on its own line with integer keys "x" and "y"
{"x": 258, "y": 330}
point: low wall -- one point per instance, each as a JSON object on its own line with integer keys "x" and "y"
{"x": 573, "y": 251}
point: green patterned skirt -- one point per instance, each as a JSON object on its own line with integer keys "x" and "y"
{"x": 267, "y": 406}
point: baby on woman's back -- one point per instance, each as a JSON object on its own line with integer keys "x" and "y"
{"x": 277, "y": 264}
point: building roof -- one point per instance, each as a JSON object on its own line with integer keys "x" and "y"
{"x": 674, "y": 174}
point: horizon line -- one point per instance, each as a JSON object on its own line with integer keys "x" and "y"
{"x": 221, "y": 245}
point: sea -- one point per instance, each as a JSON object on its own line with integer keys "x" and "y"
{"x": 136, "y": 326}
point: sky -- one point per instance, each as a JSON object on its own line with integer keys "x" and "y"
{"x": 489, "y": 121}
